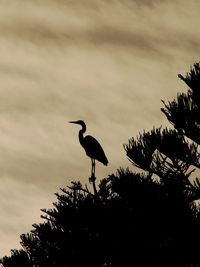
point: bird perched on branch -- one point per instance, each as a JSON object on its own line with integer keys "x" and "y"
{"x": 92, "y": 148}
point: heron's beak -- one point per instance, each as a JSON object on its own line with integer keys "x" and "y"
{"x": 72, "y": 121}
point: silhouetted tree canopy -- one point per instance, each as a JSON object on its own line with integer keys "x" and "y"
{"x": 147, "y": 218}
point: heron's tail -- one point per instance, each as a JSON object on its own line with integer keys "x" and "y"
{"x": 105, "y": 162}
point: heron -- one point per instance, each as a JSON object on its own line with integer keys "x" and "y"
{"x": 92, "y": 148}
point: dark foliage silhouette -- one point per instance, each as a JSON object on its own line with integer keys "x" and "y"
{"x": 148, "y": 218}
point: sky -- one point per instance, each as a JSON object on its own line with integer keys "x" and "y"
{"x": 108, "y": 63}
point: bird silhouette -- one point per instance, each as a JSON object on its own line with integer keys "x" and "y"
{"x": 92, "y": 148}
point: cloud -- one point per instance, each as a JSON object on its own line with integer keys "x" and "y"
{"x": 108, "y": 63}
{"x": 20, "y": 207}
{"x": 152, "y": 27}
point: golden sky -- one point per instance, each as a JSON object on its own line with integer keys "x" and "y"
{"x": 106, "y": 62}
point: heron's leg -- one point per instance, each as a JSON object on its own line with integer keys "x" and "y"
{"x": 93, "y": 178}
{"x": 92, "y": 174}
{"x": 94, "y": 168}
{"x": 91, "y": 167}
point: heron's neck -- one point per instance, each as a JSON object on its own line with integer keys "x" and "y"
{"x": 81, "y": 132}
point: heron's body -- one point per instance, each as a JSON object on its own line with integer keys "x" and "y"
{"x": 92, "y": 147}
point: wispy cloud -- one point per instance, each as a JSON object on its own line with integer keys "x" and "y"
{"x": 20, "y": 203}
{"x": 107, "y": 62}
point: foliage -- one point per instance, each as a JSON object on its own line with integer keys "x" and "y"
{"x": 148, "y": 218}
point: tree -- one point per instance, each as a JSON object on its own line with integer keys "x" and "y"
{"x": 148, "y": 218}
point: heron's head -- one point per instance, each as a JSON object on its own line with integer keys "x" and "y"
{"x": 80, "y": 122}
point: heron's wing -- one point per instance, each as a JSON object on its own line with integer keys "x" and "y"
{"x": 94, "y": 150}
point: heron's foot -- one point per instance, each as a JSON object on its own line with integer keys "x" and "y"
{"x": 92, "y": 179}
